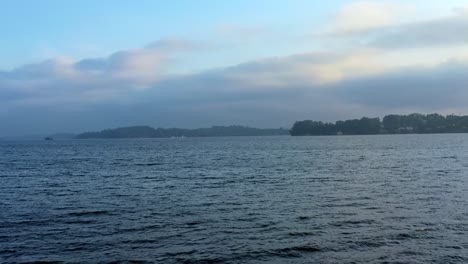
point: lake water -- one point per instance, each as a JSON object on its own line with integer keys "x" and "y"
{"x": 350, "y": 199}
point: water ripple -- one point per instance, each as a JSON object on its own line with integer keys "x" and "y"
{"x": 382, "y": 199}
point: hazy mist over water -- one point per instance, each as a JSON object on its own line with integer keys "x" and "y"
{"x": 349, "y": 199}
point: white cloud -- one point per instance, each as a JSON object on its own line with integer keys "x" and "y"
{"x": 444, "y": 31}
{"x": 365, "y": 15}
{"x": 384, "y": 25}
{"x": 95, "y": 79}
{"x": 462, "y": 11}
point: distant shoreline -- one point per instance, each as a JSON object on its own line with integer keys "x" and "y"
{"x": 390, "y": 124}
{"x": 150, "y": 132}
{"x": 10, "y": 139}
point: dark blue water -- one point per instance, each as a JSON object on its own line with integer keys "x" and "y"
{"x": 369, "y": 199}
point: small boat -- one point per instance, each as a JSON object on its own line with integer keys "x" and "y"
{"x": 48, "y": 138}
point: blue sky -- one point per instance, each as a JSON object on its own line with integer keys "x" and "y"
{"x": 36, "y": 30}
{"x": 86, "y": 65}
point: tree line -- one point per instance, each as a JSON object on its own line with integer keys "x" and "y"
{"x": 390, "y": 124}
{"x": 150, "y": 132}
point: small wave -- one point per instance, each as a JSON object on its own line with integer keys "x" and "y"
{"x": 369, "y": 244}
{"x": 411, "y": 253}
{"x": 7, "y": 251}
{"x": 55, "y": 184}
{"x": 353, "y": 222}
{"x": 306, "y": 248}
{"x": 149, "y": 164}
{"x": 89, "y": 213}
{"x": 132, "y": 261}
{"x": 453, "y": 259}
{"x": 139, "y": 229}
{"x": 301, "y": 234}
{"x": 457, "y": 227}
{"x": 76, "y": 248}
{"x": 294, "y": 251}
{"x": 202, "y": 261}
{"x": 192, "y": 223}
{"x": 404, "y": 236}
{"x": 142, "y": 241}
{"x": 265, "y": 225}
{"x": 454, "y": 247}
{"x": 178, "y": 253}
{"x": 372, "y": 208}
{"x": 79, "y": 222}
{"x": 40, "y": 222}
{"x": 44, "y": 262}
{"x": 287, "y": 252}
{"x": 449, "y": 157}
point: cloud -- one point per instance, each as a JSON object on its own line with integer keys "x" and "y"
{"x": 349, "y": 78}
{"x": 266, "y": 93}
{"x": 381, "y": 25}
{"x": 447, "y": 31}
{"x": 427, "y": 89}
{"x": 125, "y": 72}
{"x": 218, "y": 97}
{"x": 364, "y": 15}
{"x": 313, "y": 69}
{"x": 142, "y": 66}
{"x": 94, "y": 79}
{"x": 282, "y": 80}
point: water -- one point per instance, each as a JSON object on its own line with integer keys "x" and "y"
{"x": 351, "y": 199}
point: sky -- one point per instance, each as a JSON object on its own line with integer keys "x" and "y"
{"x": 75, "y": 66}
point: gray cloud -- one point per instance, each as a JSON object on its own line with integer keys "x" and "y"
{"x": 52, "y": 96}
{"x": 427, "y": 89}
{"x": 62, "y": 81}
{"x": 445, "y": 31}
{"x": 441, "y": 32}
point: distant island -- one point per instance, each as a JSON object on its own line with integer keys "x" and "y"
{"x": 150, "y": 132}
{"x": 390, "y": 124}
